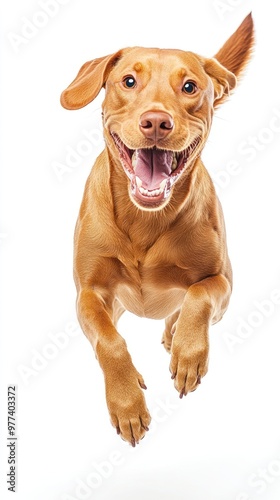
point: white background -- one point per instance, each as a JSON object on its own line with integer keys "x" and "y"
{"x": 221, "y": 442}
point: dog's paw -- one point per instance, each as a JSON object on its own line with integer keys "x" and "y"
{"x": 189, "y": 363}
{"x": 127, "y": 409}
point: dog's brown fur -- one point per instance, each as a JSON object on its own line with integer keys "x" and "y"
{"x": 165, "y": 259}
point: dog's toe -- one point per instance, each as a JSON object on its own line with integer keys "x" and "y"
{"x": 133, "y": 429}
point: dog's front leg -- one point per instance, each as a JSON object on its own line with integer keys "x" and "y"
{"x": 205, "y": 302}
{"x": 125, "y": 399}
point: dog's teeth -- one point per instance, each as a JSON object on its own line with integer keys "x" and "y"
{"x": 174, "y": 163}
{"x": 153, "y": 192}
{"x": 143, "y": 191}
{"x": 138, "y": 182}
{"x": 162, "y": 185}
{"x": 134, "y": 159}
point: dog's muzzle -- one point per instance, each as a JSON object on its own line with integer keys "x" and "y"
{"x": 152, "y": 171}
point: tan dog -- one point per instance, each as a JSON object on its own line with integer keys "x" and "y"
{"x": 150, "y": 236}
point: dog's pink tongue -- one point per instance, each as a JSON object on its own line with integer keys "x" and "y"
{"x": 153, "y": 166}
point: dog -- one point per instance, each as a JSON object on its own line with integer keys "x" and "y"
{"x": 150, "y": 236}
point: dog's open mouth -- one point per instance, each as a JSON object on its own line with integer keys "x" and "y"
{"x": 153, "y": 171}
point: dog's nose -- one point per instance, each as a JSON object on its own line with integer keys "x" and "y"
{"x": 156, "y": 124}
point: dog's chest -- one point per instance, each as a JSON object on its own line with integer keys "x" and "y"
{"x": 154, "y": 273}
{"x": 155, "y": 285}
{"x": 150, "y": 292}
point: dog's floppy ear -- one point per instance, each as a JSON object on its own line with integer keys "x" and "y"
{"x": 223, "y": 80}
{"x": 229, "y": 63}
{"x": 88, "y": 82}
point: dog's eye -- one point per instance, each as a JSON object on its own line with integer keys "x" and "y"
{"x": 189, "y": 88}
{"x": 129, "y": 82}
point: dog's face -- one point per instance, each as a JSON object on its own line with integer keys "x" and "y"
{"x": 158, "y": 109}
{"x": 157, "y": 115}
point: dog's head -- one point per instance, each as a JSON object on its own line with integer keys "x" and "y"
{"x": 158, "y": 108}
